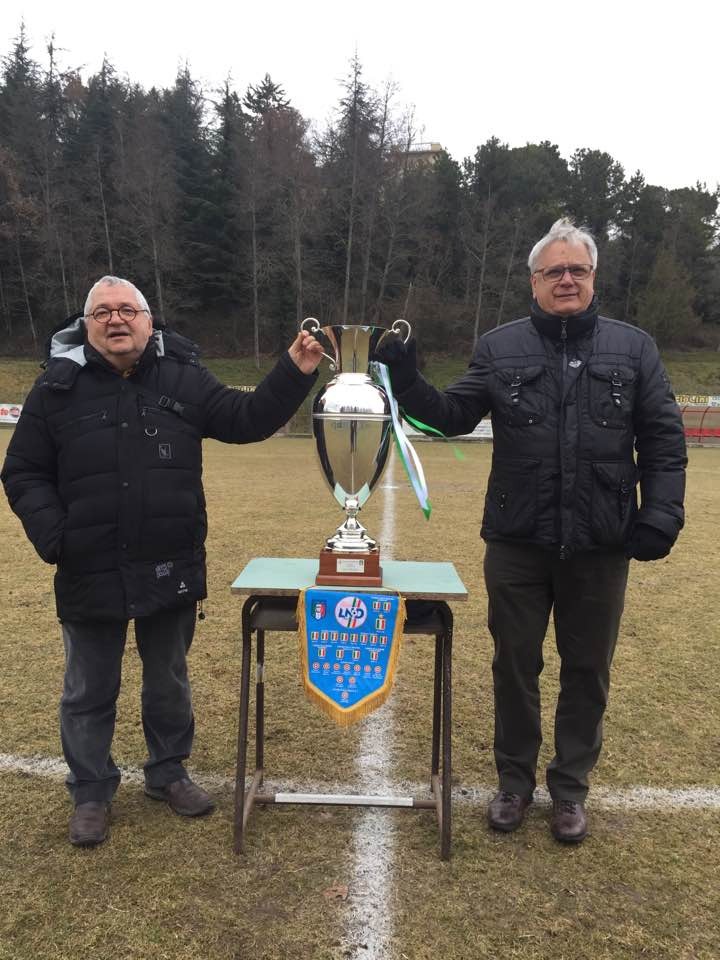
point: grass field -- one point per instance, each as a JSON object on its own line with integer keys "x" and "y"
{"x": 644, "y": 883}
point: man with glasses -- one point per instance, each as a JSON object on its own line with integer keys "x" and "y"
{"x": 569, "y": 393}
{"x": 104, "y": 470}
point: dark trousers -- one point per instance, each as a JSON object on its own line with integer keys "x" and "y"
{"x": 586, "y": 594}
{"x": 93, "y": 661}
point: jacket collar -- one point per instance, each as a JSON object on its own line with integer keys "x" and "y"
{"x": 144, "y": 360}
{"x": 577, "y": 325}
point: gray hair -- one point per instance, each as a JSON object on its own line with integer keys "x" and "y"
{"x": 113, "y": 282}
{"x": 564, "y": 229}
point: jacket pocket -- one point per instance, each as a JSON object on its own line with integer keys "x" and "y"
{"x": 511, "y": 500}
{"x": 86, "y": 420}
{"x": 611, "y": 389}
{"x": 519, "y": 395}
{"x": 614, "y": 502}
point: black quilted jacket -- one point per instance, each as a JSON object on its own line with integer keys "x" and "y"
{"x": 571, "y": 402}
{"x": 105, "y": 471}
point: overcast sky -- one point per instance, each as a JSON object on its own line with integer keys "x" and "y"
{"x": 634, "y": 78}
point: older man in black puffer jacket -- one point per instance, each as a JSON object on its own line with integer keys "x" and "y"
{"x": 571, "y": 394}
{"x": 105, "y": 471}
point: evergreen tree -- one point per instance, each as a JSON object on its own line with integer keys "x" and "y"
{"x": 665, "y": 308}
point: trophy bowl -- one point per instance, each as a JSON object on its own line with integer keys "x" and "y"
{"x": 352, "y": 426}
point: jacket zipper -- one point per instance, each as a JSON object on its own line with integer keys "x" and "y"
{"x": 563, "y": 340}
{"x": 101, "y": 414}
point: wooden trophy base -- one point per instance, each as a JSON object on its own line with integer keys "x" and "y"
{"x": 349, "y": 569}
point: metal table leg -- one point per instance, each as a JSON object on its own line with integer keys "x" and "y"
{"x": 441, "y": 760}
{"x": 240, "y": 816}
{"x": 446, "y": 825}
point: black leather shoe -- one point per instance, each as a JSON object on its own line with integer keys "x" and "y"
{"x": 89, "y": 823}
{"x": 569, "y": 822}
{"x": 507, "y": 811}
{"x": 184, "y": 797}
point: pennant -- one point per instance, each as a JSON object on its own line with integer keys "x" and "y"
{"x": 349, "y": 647}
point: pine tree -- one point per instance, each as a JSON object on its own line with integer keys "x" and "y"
{"x": 665, "y": 309}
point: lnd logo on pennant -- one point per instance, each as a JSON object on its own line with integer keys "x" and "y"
{"x": 351, "y": 612}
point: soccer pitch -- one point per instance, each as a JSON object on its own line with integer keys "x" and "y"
{"x": 332, "y": 883}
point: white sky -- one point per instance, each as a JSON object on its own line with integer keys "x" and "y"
{"x": 635, "y": 78}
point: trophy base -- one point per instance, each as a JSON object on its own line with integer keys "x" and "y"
{"x": 345, "y": 569}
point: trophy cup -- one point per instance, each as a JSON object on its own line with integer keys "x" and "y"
{"x": 352, "y": 426}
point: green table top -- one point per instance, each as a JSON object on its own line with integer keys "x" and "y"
{"x": 281, "y": 576}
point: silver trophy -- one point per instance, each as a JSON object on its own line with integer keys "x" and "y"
{"x": 352, "y": 428}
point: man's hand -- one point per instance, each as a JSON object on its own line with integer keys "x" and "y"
{"x": 305, "y": 352}
{"x": 647, "y": 543}
{"x": 400, "y": 358}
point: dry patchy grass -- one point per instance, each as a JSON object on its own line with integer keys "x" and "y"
{"x": 642, "y": 885}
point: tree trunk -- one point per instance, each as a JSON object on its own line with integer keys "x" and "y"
{"x": 351, "y": 224}
{"x": 3, "y": 306}
{"x": 73, "y": 258}
{"x": 104, "y": 211}
{"x": 21, "y": 268}
{"x": 511, "y": 259}
{"x": 406, "y": 305}
{"x": 297, "y": 257}
{"x": 628, "y": 295}
{"x": 481, "y": 286}
{"x": 373, "y": 208}
{"x": 353, "y": 197}
{"x": 386, "y": 271}
{"x": 158, "y": 280}
{"x": 393, "y": 225}
{"x": 483, "y": 264}
{"x": 468, "y": 279}
{"x": 256, "y": 299}
{"x": 63, "y": 275}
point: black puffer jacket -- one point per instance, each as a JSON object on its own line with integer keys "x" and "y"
{"x": 105, "y": 470}
{"x": 568, "y": 400}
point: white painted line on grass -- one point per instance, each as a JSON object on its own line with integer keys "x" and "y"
{"x": 55, "y": 768}
{"x": 603, "y": 798}
{"x": 368, "y": 917}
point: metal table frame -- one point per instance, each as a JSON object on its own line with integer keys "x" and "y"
{"x": 272, "y": 609}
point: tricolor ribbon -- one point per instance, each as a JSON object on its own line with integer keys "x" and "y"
{"x": 406, "y": 451}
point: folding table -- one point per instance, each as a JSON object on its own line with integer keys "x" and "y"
{"x": 271, "y": 586}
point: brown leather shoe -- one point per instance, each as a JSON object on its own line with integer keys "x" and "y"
{"x": 569, "y": 822}
{"x": 184, "y": 797}
{"x": 89, "y": 823}
{"x": 507, "y": 811}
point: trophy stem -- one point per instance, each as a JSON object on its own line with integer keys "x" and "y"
{"x": 351, "y": 536}
{"x": 350, "y": 558}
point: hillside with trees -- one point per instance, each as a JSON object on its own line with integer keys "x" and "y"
{"x": 237, "y": 219}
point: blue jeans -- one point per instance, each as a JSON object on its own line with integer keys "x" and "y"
{"x": 93, "y": 663}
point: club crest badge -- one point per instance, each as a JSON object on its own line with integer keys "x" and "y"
{"x": 319, "y": 609}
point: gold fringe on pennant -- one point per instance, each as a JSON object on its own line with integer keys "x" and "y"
{"x": 347, "y": 716}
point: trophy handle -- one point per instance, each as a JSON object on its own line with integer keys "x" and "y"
{"x": 313, "y": 327}
{"x": 396, "y": 327}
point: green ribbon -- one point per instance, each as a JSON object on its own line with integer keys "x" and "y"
{"x": 425, "y": 428}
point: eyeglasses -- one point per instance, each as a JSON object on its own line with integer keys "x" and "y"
{"x": 125, "y": 312}
{"x": 578, "y": 271}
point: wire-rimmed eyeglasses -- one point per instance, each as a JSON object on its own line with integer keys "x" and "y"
{"x": 125, "y": 312}
{"x": 578, "y": 271}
